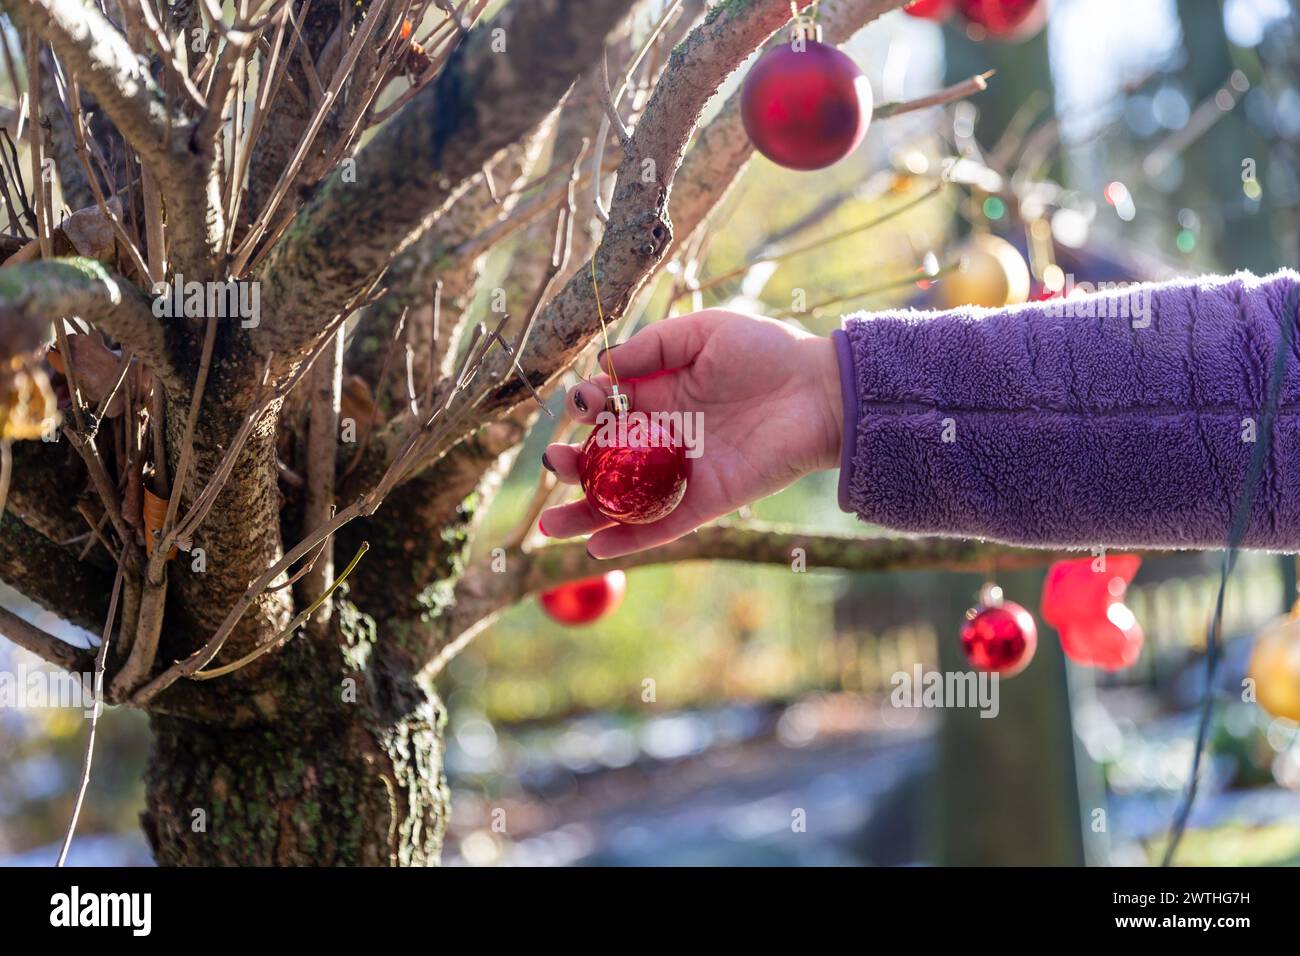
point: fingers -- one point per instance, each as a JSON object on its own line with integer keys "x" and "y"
{"x": 662, "y": 347}
{"x": 609, "y": 539}
{"x": 617, "y": 540}
{"x": 585, "y": 401}
{"x": 562, "y": 461}
{"x": 571, "y": 520}
{"x": 665, "y": 345}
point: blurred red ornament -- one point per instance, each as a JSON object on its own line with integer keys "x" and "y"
{"x": 999, "y": 635}
{"x": 581, "y": 602}
{"x": 930, "y": 9}
{"x": 631, "y": 470}
{"x": 805, "y": 105}
{"x": 1005, "y": 19}
{"x": 1084, "y": 600}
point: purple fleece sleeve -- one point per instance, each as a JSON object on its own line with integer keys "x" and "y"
{"x": 1122, "y": 418}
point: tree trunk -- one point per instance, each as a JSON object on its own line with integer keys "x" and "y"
{"x": 348, "y": 773}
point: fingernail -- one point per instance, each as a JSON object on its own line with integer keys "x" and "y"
{"x": 541, "y": 529}
{"x": 546, "y": 463}
{"x": 601, "y": 354}
{"x": 590, "y": 555}
{"x": 579, "y": 401}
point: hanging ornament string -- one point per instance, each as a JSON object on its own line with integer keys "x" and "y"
{"x": 604, "y": 329}
{"x": 1240, "y": 519}
{"x": 641, "y": 476}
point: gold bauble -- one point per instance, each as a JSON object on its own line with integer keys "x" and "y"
{"x": 990, "y": 273}
{"x": 1275, "y": 667}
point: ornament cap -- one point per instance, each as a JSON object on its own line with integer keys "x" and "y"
{"x": 618, "y": 403}
{"x": 991, "y": 595}
{"x": 805, "y": 29}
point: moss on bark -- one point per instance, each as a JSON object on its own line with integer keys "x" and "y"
{"x": 348, "y": 773}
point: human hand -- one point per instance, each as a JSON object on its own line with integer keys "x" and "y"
{"x": 768, "y": 396}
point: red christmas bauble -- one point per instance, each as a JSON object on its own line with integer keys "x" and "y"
{"x": 1005, "y": 18}
{"x": 805, "y": 105}
{"x": 581, "y": 602}
{"x": 999, "y": 638}
{"x": 930, "y": 9}
{"x": 1111, "y": 643}
{"x": 1084, "y": 602}
{"x": 631, "y": 470}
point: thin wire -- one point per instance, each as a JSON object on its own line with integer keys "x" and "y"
{"x": 1235, "y": 536}
{"x": 604, "y": 332}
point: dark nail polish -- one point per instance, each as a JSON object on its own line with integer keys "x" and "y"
{"x": 546, "y": 463}
{"x": 600, "y": 356}
{"x": 579, "y": 401}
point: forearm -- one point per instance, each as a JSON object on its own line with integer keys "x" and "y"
{"x": 1119, "y": 419}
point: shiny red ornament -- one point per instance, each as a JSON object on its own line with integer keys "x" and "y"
{"x": 1005, "y": 19}
{"x": 632, "y": 470}
{"x": 930, "y": 9}
{"x": 1084, "y": 600}
{"x": 805, "y": 105}
{"x": 999, "y": 637}
{"x": 581, "y": 602}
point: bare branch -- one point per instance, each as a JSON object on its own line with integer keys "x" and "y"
{"x": 35, "y": 293}
{"x": 104, "y": 63}
{"x": 638, "y": 232}
{"x": 29, "y": 637}
{"x": 322, "y": 450}
{"x": 440, "y": 255}
{"x": 73, "y": 182}
{"x": 51, "y": 575}
{"x": 722, "y": 149}
{"x": 482, "y": 592}
{"x": 949, "y": 94}
{"x": 422, "y": 160}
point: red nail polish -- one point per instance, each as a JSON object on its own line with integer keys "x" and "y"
{"x": 541, "y": 529}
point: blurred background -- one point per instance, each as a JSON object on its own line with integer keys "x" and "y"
{"x": 733, "y": 715}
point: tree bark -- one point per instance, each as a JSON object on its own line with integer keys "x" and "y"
{"x": 348, "y": 772}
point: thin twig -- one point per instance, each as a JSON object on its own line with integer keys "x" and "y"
{"x": 246, "y": 248}
{"x": 289, "y": 631}
{"x": 607, "y": 101}
{"x": 950, "y": 94}
{"x": 919, "y": 276}
{"x": 884, "y": 217}
{"x": 159, "y": 558}
{"x": 101, "y": 661}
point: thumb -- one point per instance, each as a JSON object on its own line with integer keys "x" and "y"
{"x": 666, "y": 345}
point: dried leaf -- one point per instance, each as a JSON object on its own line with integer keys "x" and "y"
{"x": 90, "y": 232}
{"x": 154, "y": 511}
{"x": 27, "y": 404}
{"x": 357, "y": 403}
{"x": 97, "y": 368}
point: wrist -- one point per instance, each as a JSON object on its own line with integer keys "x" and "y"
{"x": 831, "y": 400}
